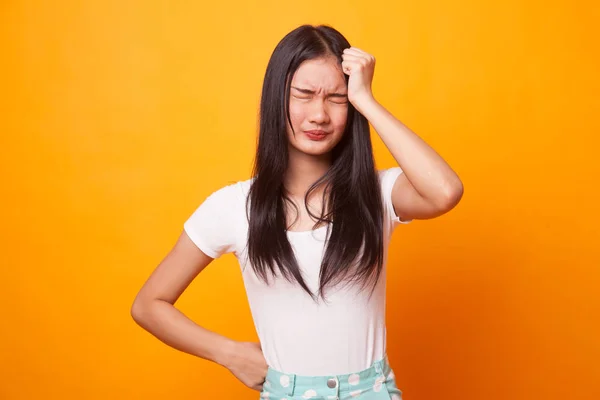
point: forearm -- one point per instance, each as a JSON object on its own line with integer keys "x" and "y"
{"x": 426, "y": 170}
{"x": 173, "y": 328}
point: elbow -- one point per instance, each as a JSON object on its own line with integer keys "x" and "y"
{"x": 136, "y": 312}
{"x": 139, "y": 310}
{"x": 145, "y": 309}
{"x": 452, "y": 196}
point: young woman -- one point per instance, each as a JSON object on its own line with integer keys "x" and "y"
{"x": 310, "y": 230}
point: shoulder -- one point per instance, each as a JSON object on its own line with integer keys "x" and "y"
{"x": 387, "y": 179}
{"x": 217, "y": 224}
{"x": 231, "y": 193}
{"x": 244, "y": 187}
{"x": 389, "y": 171}
{"x": 224, "y": 203}
{"x": 388, "y": 176}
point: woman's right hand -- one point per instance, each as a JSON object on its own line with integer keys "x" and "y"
{"x": 247, "y": 363}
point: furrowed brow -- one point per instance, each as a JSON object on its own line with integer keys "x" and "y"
{"x": 308, "y": 91}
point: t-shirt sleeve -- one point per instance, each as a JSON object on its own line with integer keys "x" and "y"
{"x": 388, "y": 178}
{"x": 212, "y": 225}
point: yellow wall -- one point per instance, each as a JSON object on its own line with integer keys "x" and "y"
{"x": 119, "y": 118}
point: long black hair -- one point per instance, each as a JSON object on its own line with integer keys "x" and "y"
{"x": 352, "y": 203}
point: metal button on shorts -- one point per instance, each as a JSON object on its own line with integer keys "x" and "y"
{"x": 331, "y": 383}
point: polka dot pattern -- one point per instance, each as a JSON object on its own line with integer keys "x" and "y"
{"x": 361, "y": 386}
{"x": 378, "y": 384}
{"x": 354, "y": 379}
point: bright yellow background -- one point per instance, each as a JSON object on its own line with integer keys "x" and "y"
{"x": 119, "y": 118}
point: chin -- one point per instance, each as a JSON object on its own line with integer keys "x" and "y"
{"x": 314, "y": 149}
{"x": 317, "y": 153}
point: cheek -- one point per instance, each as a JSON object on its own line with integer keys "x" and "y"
{"x": 296, "y": 115}
{"x": 339, "y": 119}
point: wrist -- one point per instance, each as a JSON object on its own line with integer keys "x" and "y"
{"x": 365, "y": 104}
{"x": 226, "y": 353}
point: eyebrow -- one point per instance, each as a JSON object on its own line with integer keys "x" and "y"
{"x": 308, "y": 91}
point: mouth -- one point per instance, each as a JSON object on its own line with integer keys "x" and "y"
{"x": 316, "y": 134}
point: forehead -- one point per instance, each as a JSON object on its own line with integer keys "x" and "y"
{"x": 320, "y": 74}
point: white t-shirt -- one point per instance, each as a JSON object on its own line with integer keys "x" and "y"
{"x": 298, "y": 335}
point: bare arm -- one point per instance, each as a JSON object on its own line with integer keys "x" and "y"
{"x": 153, "y": 309}
{"x": 429, "y": 187}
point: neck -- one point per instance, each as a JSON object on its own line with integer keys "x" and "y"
{"x": 304, "y": 170}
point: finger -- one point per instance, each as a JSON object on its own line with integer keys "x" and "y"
{"x": 366, "y": 56}
{"x": 354, "y": 50}
{"x": 353, "y": 58}
{"x": 360, "y": 51}
{"x": 355, "y": 61}
{"x": 349, "y": 66}
{"x": 359, "y": 59}
{"x": 352, "y": 65}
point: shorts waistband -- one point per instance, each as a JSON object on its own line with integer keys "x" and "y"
{"x": 330, "y": 386}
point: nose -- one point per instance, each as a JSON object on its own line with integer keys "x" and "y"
{"x": 318, "y": 113}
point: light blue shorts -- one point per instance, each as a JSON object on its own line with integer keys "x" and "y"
{"x": 377, "y": 382}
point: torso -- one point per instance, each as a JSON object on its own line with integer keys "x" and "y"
{"x": 298, "y": 335}
{"x": 303, "y": 222}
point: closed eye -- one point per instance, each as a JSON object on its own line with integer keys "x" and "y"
{"x": 335, "y": 102}
{"x": 312, "y": 92}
